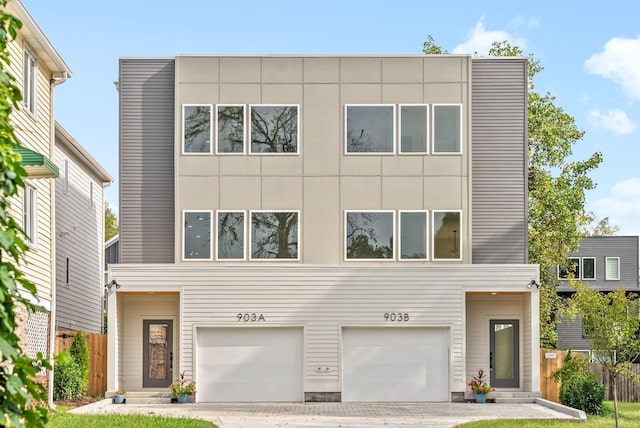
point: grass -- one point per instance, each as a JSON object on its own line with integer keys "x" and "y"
{"x": 629, "y": 418}
{"x": 62, "y": 419}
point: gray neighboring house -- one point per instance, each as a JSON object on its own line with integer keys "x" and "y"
{"x": 606, "y": 263}
{"x": 323, "y": 228}
{"x": 79, "y": 204}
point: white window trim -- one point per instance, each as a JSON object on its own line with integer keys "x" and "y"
{"x": 606, "y": 271}
{"x": 244, "y": 131}
{"x": 394, "y": 229}
{"x": 399, "y": 234}
{"x": 427, "y": 133}
{"x": 433, "y": 235}
{"x": 186, "y": 259}
{"x": 30, "y": 84}
{"x": 394, "y": 133}
{"x": 250, "y": 227}
{"x": 30, "y": 215}
{"x": 579, "y": 269}
{"x": 298, "y": 143}
{"x": 211, "y": 130}
{"x": 595, "y": 272}
{"x": 245, "y": 239}
{"x": 433, "y": 130}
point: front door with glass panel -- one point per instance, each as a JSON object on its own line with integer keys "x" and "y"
{"x": 157, "y": 353}
{"x": 504, "y": 357}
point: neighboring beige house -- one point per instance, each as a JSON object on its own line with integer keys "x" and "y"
{"x": 79, "y": 236}
{"x": 323, "y": 228}
{"x": 38, "y": 69}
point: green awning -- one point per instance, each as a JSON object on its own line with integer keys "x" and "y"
{"x": 36, "y": 165}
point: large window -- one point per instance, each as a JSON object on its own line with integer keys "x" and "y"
{"x": 370, "y": 129}
{"x": 30, "y": 214}
{"x": 230, "y": 128}
{"x": 196, "y": 128}
{"x": 612, "y": 268}
{"x": 413, "y": 235}
{"x": 446, "y": 235}
{"x": 447, "y": 128}
{"x": 30, "y": 82}
{"x": 197, "y": 235}
{"x": 571, "y": 270}
{"x": 274, "y": 235}
{"x": 413, "y": 129}
{"x": 231, "y": 235}
{"x": 274, "y": 129}
{"x": 369, "y": 234}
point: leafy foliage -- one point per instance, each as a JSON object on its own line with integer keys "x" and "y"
{"x": 479, "y": 384}
{"x": 605, "y": 228}
{"x": 68, "y": 381}
{"x": 79, "y": 351}
{"x": 580, "y": 388}
{"x": 111, "y": 225}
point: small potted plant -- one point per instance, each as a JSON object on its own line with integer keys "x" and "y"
{"x": 480, "y": 387}
{"x": 182, "y": 388}
{"x": 118, "y": 398}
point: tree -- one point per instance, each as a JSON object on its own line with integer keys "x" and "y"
{"x": 21, "y": 397}
{"x": 604, "y": 228}
{"x": 610, "y": 322}
{"x": 430, "y": 48}
{"x": 111, "y": 225}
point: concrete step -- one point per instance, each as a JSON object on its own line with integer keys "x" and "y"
{"x": 133, "y": 400}
{"x": 507, "y": 396}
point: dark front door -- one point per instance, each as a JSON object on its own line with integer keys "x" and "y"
{"x": 157, "y": 353}
{"x": 504, "y": 353}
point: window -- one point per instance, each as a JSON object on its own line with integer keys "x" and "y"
{"x": 30, "y": 73}
{"x": 413, "y": 129}
{"x": 447, "y": 128}
{"x": 588, "y": 268}
{"x": 370, "y": 129}
{"x": 231, "y": 235}
{"x": 571, "y": 270}
{"x": 274, "y": 129}
{"x": 230, "y": 127}
{"x": 196, "y": 128}
{"x": 274, "y": 234}
{"x": 446, "y": 235}
{"x": 413, "y": 235}
{"x": 197, "y": 235}
{"x": 612, "y": 271}
{"x": 369, "y": 235}
{"x": 30, "y": 214}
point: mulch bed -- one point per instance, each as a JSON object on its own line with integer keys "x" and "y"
{"x": 76, "y": 402}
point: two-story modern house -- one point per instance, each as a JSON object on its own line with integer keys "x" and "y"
{"x": 606, "y": 263}
{"x": 80, "y": 236}
{"x": 323, "y": 228}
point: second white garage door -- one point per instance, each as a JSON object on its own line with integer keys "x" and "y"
{"x": 249, "y": 364}
{"x": 395, "y": 364}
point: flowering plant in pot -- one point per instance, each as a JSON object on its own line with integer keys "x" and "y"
{"x": 480, "y": 386}
{"x": 118, "y": 397}
{"x": 182, "y": 388}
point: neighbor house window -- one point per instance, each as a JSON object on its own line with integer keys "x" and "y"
{"x": 612, "y": 271}
{"x": 370, "y": 129}
{"x": 230, "y": 121}
{"x": 231, "y": 235}
{"x": 197, "y": 235}
{"x": 196, "y": 128}
{"x": 447, "y": 128}
{"x": 30, "y": 214}
{"x": 369, "y": 235}
{"x": 30, "y": 73}
{"x": 588, "y": 268}
{"x": 274, "y": 234}
{"x": 413, "y": 235}
{"x": 274, "y": 129}
{"x": 446, "y": 235}
{"x": 413, "y": 129}
{"x": 571, "y": 270}
{"x": 91, "y": 203}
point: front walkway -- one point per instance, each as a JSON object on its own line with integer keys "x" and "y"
{"x": 333, "y": 415}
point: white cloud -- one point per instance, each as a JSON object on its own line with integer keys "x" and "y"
{"x": 615, "y": 121}
{"x": 620, "y": 62}
{"x": 480, "y": 40}
{"x": 622, "y": 206}
{"x": 521, "y": 21}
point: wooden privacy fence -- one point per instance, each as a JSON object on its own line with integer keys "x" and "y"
{"x": 627, "y": 390}
{"x": 97, "y": 344}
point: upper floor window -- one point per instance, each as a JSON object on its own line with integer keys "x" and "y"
{"x": 447, "y": 235}
{"x": 369, "y": 234}
{"x": 231, "y": 235}
{"x": 571, "y": 270}
{"x": 588, "y": 268}
{"x": 231, "y": 129}
{"x": 414, "y": 129}
{"x": 196, "y": 128}
{"x": 370, "y": 129}
{"x": 612, "y": 268}
{"x": 197, "y": 235}
{"x": 274, "y": 129}
{"x": 30, "y": 88}
{"x": 413, "y": 235}
{"x": 30, "y": 214}
{"x": 447, "y": 128}
{"x": 274, "y": 235}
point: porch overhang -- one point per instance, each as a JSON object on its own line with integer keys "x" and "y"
{"x": 37, "y": 165}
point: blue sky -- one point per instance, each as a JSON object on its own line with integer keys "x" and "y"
{"x": 590, "y": 52}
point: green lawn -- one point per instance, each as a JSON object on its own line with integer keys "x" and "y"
{"x": 629, "y": 418}
{"x": 63, "y": 419}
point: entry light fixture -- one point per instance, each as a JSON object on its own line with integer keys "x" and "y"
{"x": 533, "y": 283}
{"x": 111, "y": 284}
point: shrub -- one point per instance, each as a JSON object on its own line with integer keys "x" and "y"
{"x": 80, "y": 353}
{"x": 67, "y": 380}
{"x": 583, "y": 392}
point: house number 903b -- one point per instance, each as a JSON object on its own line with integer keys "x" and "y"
{"x": 396, "y": 316}
{"x": 253, "y": 317}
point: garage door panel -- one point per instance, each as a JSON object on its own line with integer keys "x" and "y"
{"x": 254, "y": 353}
{"x": 389, "y": 354}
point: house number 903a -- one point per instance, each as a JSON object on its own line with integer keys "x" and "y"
{"x": 253, "y": 317}
{"x": 396, "y": 316}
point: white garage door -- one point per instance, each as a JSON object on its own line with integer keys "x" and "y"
{"x": 395, "y": 364}
{"x": 249, "y": 364}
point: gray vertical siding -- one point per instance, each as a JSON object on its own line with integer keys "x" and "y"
{"x": 570, "y": 335}
{"x": 147, "y": 160}
{"x": 499, "y": 150}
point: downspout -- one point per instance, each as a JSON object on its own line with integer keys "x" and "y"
{"x": 52, "y": 214}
